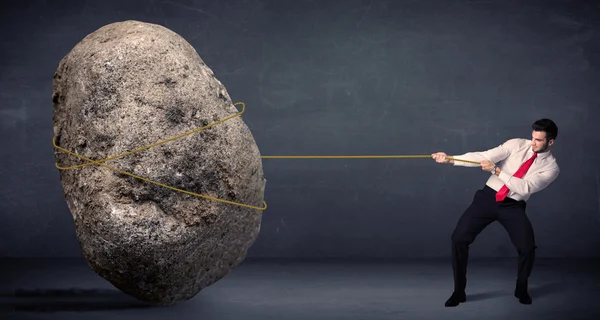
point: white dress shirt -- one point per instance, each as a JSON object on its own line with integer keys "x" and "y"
{"x": 509, "y": 157}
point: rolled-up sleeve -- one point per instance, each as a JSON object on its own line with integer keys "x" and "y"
{"x": 496, "y": 154}
{"x": 531, "y": 184}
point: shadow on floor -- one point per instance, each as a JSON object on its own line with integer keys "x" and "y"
{"x": 536, "y": 291}
{"x": 545, "y": 289}
{"x": 73, "y": 299}
{"x": 485, "y": 295}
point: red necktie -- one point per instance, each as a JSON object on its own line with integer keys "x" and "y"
{"x": 503, "y": 192}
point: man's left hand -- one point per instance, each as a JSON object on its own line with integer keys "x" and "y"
{"x": 487, "y": 165}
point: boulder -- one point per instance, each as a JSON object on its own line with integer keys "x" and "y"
{"x": 132, "y": 84}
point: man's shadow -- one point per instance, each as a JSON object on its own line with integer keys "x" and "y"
{"x": 546, "y": 289}
{"x": 73, "y": 299}
{"x": 535, "y": 291}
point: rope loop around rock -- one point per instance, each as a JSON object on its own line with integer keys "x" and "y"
{"x": 101, "y": 162}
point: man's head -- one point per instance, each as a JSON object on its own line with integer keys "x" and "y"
{"x": 543, "y": 135}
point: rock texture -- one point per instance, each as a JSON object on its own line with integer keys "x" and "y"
{"x": 128, "y": 85}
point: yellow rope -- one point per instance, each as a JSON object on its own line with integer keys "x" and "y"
{"x": 417, "y": 156}
{"x": 347, "y": 157}
{"x": 264, "y": 207}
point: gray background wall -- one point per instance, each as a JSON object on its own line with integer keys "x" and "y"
{"x": 340, "y": 78}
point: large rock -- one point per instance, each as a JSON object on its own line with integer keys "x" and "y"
{"x": 128, "y": 85}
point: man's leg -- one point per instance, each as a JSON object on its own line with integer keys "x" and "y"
{"x": 477, "y": 216}
{"x": 514, "y": 219}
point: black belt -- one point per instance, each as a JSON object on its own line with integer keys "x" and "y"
{"x": 492, "y": 192}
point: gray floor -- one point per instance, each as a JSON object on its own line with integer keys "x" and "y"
{"x": 281, "y": 290}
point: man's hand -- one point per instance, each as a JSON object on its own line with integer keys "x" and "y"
{"x": 487, "y": 165}
{"x": 441, "y": 157}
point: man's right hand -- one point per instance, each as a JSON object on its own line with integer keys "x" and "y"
{"x": 441, "y": 157}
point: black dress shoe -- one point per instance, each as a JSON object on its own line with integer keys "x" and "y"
{"x": 455, "y": 299}
{"x": 522, "y": 295}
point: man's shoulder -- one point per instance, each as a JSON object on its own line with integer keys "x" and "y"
{"x": 517, "y": 143}
{"x": 552, "y": 159}
{"x": 522, "y": 141}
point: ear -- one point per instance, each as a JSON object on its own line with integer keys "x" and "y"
{"x": 551, "y": 142}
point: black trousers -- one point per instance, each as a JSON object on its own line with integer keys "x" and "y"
{"x": 483, "y": 211}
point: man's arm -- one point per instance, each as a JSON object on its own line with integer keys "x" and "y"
{"x": 531, "y": 184}
{"x": 495, "y": 155}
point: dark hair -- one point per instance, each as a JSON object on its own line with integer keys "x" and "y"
{"x": 548, "y": 126}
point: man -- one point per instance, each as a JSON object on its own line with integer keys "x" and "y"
{"x": 519, "y": 168}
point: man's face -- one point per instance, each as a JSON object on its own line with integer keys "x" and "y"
{"x": 539, "y": 143}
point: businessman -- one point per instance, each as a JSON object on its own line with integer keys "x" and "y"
{"x": 518, "y": 168}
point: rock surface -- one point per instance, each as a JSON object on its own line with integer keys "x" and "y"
{"x": 128, "y": 85}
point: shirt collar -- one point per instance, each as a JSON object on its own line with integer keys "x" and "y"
{"x": 540, "y": 156}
